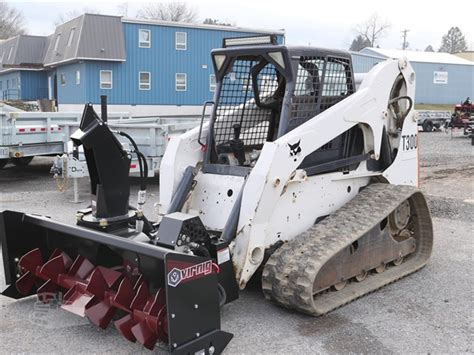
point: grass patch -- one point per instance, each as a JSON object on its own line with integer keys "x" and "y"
{"x": 436, "y": 107}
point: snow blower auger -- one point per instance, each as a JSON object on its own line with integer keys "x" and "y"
{"x": 296, "y": 175}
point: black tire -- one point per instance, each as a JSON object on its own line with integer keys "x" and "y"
{"x": 23, "y": 161}
{"x": 427, "y": 126}
{"x": 3, "y": 162}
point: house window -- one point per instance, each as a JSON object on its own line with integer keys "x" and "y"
{"x": 78, "y": 77}
{"x": 56, "y": 44}
{"x": 106, "y": 79}
{"x": 144, "y": 79}
{"x": 1, "y": 85}
{"x": 13, "y": 83}
{"x": 144, "y": 38}
{"x": 246, "y": 84}
{"x": 180, "y": 82}
{"x": 62, "y": 79}
{"x": 212, "y": 83}
{"x": 181, "y": 41}
{"x": 71, "y": 37}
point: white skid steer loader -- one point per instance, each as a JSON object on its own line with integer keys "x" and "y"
{"x": 297, "y": 177}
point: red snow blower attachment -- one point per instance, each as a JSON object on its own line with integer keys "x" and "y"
{"x": 158, "y": 283}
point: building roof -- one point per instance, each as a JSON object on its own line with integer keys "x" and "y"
{"x": 22, "y": 51}
{"x": 201, "y": 26}
{"x": 469, "y": 55}
{"x": 418, "y": 56}
{"x": 87, "y": 37}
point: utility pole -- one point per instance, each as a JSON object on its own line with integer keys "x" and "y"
{"x": 405, "y": 43}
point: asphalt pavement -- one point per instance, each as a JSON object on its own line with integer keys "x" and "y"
{"x": 430, "y": 311}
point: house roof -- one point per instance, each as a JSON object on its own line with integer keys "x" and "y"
{"x": 22, "y": 51}
{"x": 87, "y": 37}
{"x": 201, "y": 26}
{"x": 418, "y": 56}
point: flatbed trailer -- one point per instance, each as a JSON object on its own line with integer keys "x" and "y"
{"x": 24, "y": 135}
{"x": 151, "y": 135}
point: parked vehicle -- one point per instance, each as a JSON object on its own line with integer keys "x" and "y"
{"x": 430, "y": 119}
{"x": 462, "y": 118}
{"x": 24, "y": 135}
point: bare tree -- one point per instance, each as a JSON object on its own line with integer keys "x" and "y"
{"x": 11, "y": 21}
{"x": 122, "y": 9}
{"x": 373, "y": 29}
{"x": 453, "y": 41}
{"x": 66, "y": 16}
{"x": 170, "y": 11}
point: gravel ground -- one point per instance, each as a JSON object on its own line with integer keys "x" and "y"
{"x": 427, "y": 312}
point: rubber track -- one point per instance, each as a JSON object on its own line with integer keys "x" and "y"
{"x": 289, "y": 274}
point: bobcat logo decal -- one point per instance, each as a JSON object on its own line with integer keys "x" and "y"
{"x": 295, "y": 149}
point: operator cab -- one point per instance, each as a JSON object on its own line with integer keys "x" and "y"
{"x": 264, "y": 92}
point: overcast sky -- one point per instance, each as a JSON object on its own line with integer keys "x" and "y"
{"x": 319, "y": 23}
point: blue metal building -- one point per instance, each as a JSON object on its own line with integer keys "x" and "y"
{"x": 21, "y": 61}
{"x": 441, "y": 78}
{"x": 141, "y": 65}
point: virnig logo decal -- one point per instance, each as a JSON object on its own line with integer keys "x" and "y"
{"x": 178, "y": 275}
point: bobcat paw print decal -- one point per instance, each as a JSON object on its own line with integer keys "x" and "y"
{"x": 295, "y": 150}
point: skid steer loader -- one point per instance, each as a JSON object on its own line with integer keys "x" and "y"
{"x": 297, "y": 177}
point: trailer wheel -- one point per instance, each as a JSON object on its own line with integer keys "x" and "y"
{"x": 23, "y": 161}
{"x": 427, "y": 126}
{"x": 3, "y": 162}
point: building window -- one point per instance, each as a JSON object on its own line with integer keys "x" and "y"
{"x": 144, "y": 38}
{"x": 212, "y": 83}
{"x": 56, "y": 44}
{"x": 71, "y": 37}
{"x": 181, "y": 41}
{"x": 1, "y": 85}
{"x": 106, "y": 79}
{"x": 13, "y": 83}
{"x": 180, "y": 82}
{"x": 144, "y": 80}
{"x": 78, "y": 77}
{"x": 62, "y": 79}
{"x": 246, "y": 84}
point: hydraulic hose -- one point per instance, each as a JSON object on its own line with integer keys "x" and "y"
{"x": 141, "y": 161}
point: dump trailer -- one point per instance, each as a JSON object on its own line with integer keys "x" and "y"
{"x": 296, "y": 177}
